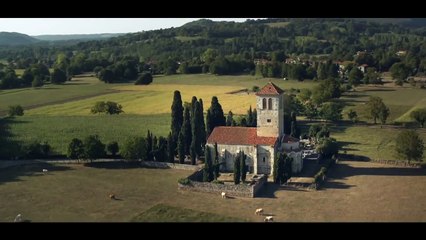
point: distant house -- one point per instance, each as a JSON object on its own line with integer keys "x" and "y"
{"x": 260, "y": 143}
{"x": 363, "y": 68}
{"x": 401, "y": 53}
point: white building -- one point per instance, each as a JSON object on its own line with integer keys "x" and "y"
{"x": 260, "y": 143}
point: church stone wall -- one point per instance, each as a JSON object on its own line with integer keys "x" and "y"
{"x": 228, "y": 153}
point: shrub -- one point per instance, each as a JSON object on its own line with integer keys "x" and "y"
{"x": 16, "y": 110}
{"x": 37, "y": 150}
{"x": 144, "y": 79}
{"x": 218, "y": 182}
{"x": 184, "y": 181}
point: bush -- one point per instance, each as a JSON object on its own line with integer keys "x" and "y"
{"x": 37, "y": 82}
{"x": 255, "y": 88}
{"x": 144, "y": 79}
{"x": 75, "y": 149}
{"x": 112, "y": 147}
{"x": 16, "y": 110}
{"x": 37, "y": 150}
{"x": 218, "y": 182}
{"x": 184, "y": 181}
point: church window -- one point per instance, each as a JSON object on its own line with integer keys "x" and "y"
{"x": 264, "y": 159}
{"x": 270, "y": 104}
{"x": 264, "y": 103}
{"x": 268, "y": 120}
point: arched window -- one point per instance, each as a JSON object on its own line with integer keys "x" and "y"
{"x": 270, "y": 104}
{"x": 264, "y": 103}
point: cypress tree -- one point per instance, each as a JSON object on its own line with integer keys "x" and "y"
{"x": 181, "y": 147}
{"x": 203, "y": 135}
{"x": 237, "y": 169}
{"x": 217, "y": 117}
{"x": 196, "y": 129}
{"x": 216, "y": 164}
{"x": 177, "y": 115}
{"x": 254, "y": 114}
{"x": 229, "y": 119}
{"x": 209, "y": 122}
{"x": 193, "y": 153}
{"x": 193, "y": 102}
{"x": 171, "y": 148}
{"x": 293, "y": 129}
{"x": 154, "y": 148}
{"x": 208, "y": 168}
{"x": 243, "y": 166}
{"x": 250, "y": 117}
{"x": 187, "y": 133}
{"x": 149, "y": 156}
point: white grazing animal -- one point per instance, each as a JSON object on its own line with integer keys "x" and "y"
{"x": 45, "y": 170}
{"x": 259, "y": 211}
{"x": 18, "y": 218}
{"x": 223, "y": 194}
{"x": 269, "y": 219}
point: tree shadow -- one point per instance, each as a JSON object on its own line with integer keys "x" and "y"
{"x": 13, "y": 173}
{"x": 343, "y": 170}
{"x": 77, "y": 83}
{"x": 114, "y": 165}
{"x": 379, "y": 90}
{"x": 343, "y": 146}
{"x": 9, "y": 148}
{"x": 335, "y": 185}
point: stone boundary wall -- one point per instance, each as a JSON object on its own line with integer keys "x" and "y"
{"x": 170, "y": 165}
{"x": 398, "y": 163}
{"x": 351, "y": 157}
{"x": 10, "y": 163}
{"x": 241, "y": 190}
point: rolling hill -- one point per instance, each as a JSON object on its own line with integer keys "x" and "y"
{"x": 66, "y": 37}
{"x": 14, "y": 38}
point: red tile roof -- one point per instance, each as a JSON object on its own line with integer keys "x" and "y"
{"x": 270, "y": 89}
{"x": 239, "y": 136}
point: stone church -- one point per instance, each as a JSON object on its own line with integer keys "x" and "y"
{"x": 260, "y": 143}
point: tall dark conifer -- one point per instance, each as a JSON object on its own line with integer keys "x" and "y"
{"x": 177, "y": 115}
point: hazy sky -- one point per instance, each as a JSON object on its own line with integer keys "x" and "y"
{"x": 41, "y": 26}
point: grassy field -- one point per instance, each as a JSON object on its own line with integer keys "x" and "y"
{"x": 400, "y": 100}
{"x": 66, "y": 109}
{"x": 355, "y": 191}
{"x": 145, "y": 107}
{"x": 59, "y": 130}
{"x": 78, "y": 88}
{"x": 78, "y": 96}
{"x": 371, "y": 141}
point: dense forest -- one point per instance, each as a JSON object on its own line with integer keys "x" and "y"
{"x": 296, "y": 48}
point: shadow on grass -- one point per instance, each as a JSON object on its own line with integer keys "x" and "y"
{"x": 76, "y": 83}
{"x": 114, "y": 165}
{"x": 379, "y": 90}
{"x": 335, "y": 185}
{"x": 268, "y": 191}
{"x": 13, "y": 174}
{"x": 9, "y": 148}
{"x": 343, "y": 170}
